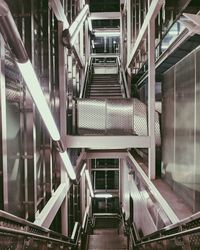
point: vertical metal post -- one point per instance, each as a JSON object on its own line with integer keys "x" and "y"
{"x": 87, "y": 42}
{"x": 63, "y": 132}
{"x": 3, "y": 131}
{"x": 151, "y": 99}
{"x": 129, "y": 39}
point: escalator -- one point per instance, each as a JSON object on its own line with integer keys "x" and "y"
{"x": 107, "y": 234}
{"x": 104, "y": 86}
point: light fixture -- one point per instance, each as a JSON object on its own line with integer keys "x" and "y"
{"x": 12, "y": 37}
{"x": 35, "y": 90}
{"x": 89, "y": 183}
{"x": 104, "y": 195}
{"x": 70, "y": 170}
{"x": 83, "y": 169}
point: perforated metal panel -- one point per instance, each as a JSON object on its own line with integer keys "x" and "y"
{"x": 119, "y": 116}
{"x": 91, "y": 116}
{"x": 114, "y": 117}
{"x": 140, "y": 117}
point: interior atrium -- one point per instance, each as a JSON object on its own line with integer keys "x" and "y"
{"x": 100, "y": 124}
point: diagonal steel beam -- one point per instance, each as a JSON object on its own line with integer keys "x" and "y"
{"x": 46, "y": 216}
{"x": 152, "y": 13}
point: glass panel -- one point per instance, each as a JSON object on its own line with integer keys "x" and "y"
{"x": 100, "y": 180}
{"x": 112, "y": 179}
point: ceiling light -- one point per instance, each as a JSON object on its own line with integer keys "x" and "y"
{"x": 105, "y": 195}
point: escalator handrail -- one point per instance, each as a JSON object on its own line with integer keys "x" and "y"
{"x": 12, "y": 231}
{"x": 86, "y": 78}
{"x": 181, "y": 229}
{"x": 124, "y": 81}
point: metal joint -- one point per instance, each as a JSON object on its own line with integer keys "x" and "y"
{"x": 59, "y": 146}
{"x": 66, "y": 38}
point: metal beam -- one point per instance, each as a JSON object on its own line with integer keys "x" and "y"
{"x": 104, "y": 15}
{"x": 106, "y": 154}
{"x": 151, "y": 100}
{"x": 152, "y": 13}
{"x": 107, "y": 142}
{"x": 58, "y": 10}
{"x": 46, "y": 216}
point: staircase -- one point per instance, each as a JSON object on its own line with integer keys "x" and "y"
{"x": 107, "y": 235}
{"x": 104, "y": 86}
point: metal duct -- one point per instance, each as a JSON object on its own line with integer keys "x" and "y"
{"x": 114, "y": 117}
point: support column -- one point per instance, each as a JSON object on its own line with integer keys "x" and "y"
{"x": 3, "y": 135}
{"x": 129, "y": 36}
{"x": 63, "y": 107}
{"x": 151, "y": 99}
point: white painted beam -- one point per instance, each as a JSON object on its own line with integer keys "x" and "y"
{"x": 107, "y": 142}
{"x": 152, "y": 13}
{"x": 58, "y": 10}
{"x": 46, "y": 216}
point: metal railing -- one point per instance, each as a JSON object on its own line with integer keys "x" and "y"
{"x": 87, "y": 79}
{"x": 17, "y": 233}
{"x": 182, "y": 235}
{"x": 123, "y": 78}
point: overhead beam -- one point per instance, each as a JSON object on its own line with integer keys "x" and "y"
{"x": 107, "y": 142}
{"x": 106, "y": 154}
{"x": 152, "y": 13}
{"x": 104, "y": 15}
{"x": 46, "y": 216}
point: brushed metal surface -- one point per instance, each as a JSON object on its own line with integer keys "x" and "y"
{"x": 180, "y": 129}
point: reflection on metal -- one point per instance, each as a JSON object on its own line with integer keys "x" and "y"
{"x": 46, "y": 216}
{"x": 167, "y": 209}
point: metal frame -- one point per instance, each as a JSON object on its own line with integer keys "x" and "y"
{"x": 46, "y": 216}
{"x": 151, "y": 14}
{"x": 107, "y": 142}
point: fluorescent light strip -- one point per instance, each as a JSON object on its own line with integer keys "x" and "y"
{"x": 70, "y": 170}
{"x": 103, "y": 195}
{"x": 35, "y": 90}
{"x": 83, "y": 169}
{"x": 89, "y": 183}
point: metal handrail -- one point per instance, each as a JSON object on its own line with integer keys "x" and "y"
{"x": 19, "y": 226}
{"x": 86, "y": 79}
{"x": 124, "y": 81}
{"x": 34, "y": 235}
{"x": 167, "y": 232}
